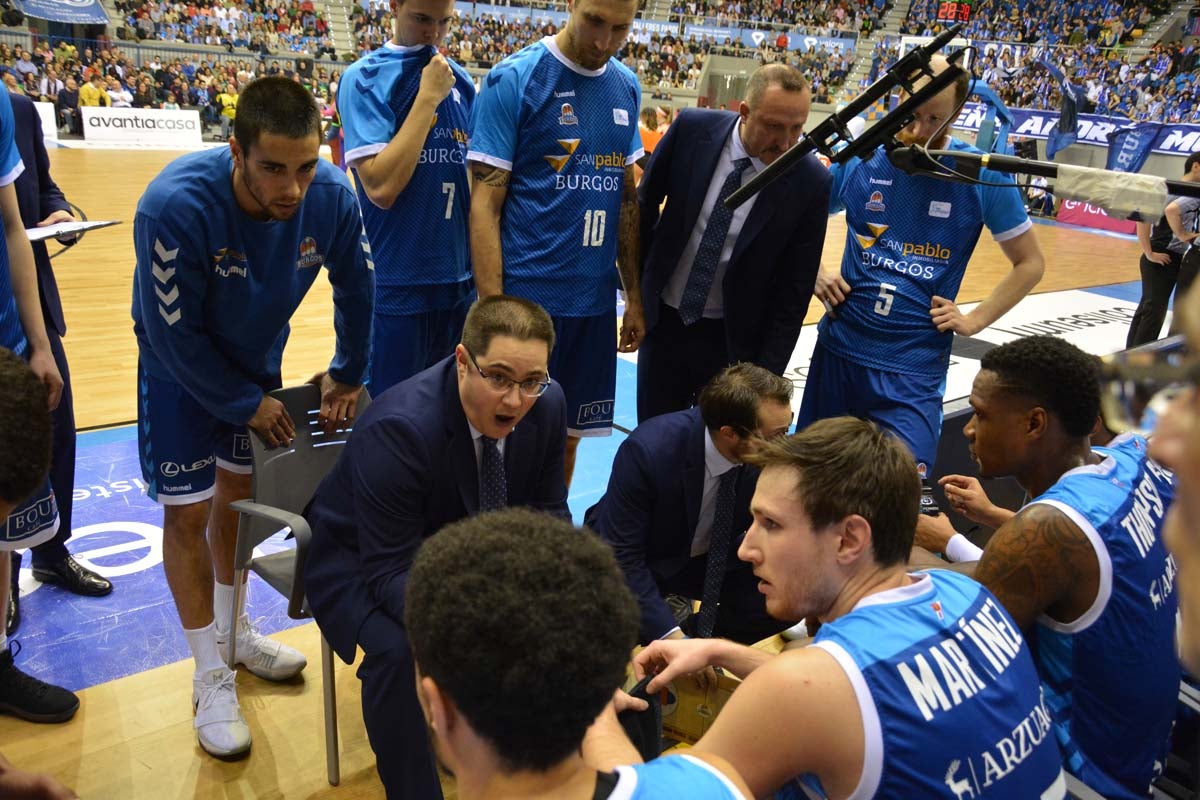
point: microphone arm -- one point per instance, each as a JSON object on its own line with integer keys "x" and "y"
{"x": 834, "y": 129}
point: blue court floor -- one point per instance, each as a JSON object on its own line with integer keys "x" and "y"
{"x": 80, "y": 642}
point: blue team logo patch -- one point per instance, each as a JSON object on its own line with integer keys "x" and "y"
{"x": 875, "y": 203}
{"x": 568, "y": 115}
{"x": 309, "y": 256}
{"x": 597, "y": 412}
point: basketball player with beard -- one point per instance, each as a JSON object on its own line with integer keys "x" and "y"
{"x": 884, "y": 347}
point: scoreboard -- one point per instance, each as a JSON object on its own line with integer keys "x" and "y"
{"x": 954, "y": 11}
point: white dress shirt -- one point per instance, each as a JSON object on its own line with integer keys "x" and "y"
{"x": 714, "y": 307}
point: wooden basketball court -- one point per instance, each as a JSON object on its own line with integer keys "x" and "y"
{"x": 133, "y": 737}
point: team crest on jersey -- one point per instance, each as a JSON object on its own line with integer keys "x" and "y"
{"x": 568, "y": 115}
{"x": 558, "y": 162}
{"x": 309, "y": 257}
{"x": 227, "y": 263}
{"x": 875, "y": 203}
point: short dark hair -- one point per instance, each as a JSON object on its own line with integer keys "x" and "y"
{"x": 503, "y": 315}
{"x": 1054, "y": 374}
{"x": 1192, "y": 160}
{"x": 277, "y": 106}
{"x": 526, "y": 623}
{"x": 733, "y": 396}
{"x": 844, "y": 466}
{"x": 25, "y": 429}
{"x": 784, "y": 76}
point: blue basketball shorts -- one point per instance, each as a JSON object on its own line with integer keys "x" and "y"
{"x": 32, "y": 522}
{"x": 908, "y": 405}
{"x": 584, "y": 363}
{"x": 180, "y": 445}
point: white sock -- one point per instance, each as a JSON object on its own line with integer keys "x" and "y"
{"x": 223, "y": 602}
{"x": 203, "y": 644}
{"x": 3, "y": 640}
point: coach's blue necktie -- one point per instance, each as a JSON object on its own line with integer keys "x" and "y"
{"x": 718, "y": 552}
{"x": 704, "y": 267}
{"x": 493, "y": 486}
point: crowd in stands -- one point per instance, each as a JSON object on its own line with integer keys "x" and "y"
{"x": 806, "y": 16}
{"x": 264, "y": 26}
{"x": 70, "y": 78}
{"x": 1076, "y": 23}
{"x": 662, "y": 62}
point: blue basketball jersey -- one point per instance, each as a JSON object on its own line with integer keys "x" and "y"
{"x": 948, "y": 694}
{"x": 420, "y": 244}
{"x": 673, "y": 777}
{"x": 1111, "y": 677}
{"x": 213, "y": 289}
{"x": 12, "y": 335}
{"x": 908, "y": 238}
{"x": 566, "y": 134}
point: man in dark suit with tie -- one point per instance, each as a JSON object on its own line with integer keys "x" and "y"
{"x": 678, "y": 502}
{"x": 42, "y": 203}
{"x": 718, "y": 286}
{"x": 438, "y": 447}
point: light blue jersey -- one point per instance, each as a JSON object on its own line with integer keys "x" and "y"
{"x": 213, "y": 289}
{"x": 566, "y": 134}
{"x": 948, "y": 694}
{"x": 909, "y": 238}
{"x": 420, "y": 245}
{"x": 12, "y": 335}
{"x": 1111, "y": 677}
{"x": 671, "y": 778}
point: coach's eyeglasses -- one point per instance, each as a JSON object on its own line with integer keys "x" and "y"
{"x": 502, "y": 383}
{"x": 1138, "y": 385}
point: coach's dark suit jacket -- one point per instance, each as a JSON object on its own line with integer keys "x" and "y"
{"x": 774, "y": 263}
{"x": 408, "y": 469}
{"x": 652, "y": 505}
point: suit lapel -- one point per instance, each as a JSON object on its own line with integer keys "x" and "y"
{"x": 769, "y": 199}
{"x": 693, "y": 478}
{"x": 708, "y": 150}
{"x": 462, "y": 446}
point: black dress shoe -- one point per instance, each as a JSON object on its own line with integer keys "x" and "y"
{"x": 74, "y": 577}
{"x": 14, "y": 612}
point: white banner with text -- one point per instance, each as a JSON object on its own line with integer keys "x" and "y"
{"x": 142, "y": 127}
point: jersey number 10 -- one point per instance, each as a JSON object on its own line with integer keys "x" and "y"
{"x": 593, "y": 228}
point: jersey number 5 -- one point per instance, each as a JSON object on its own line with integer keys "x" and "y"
{"x": 593, "y": 228}
{"x": 883, "y": 306}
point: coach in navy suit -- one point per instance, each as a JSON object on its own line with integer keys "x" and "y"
{"x": 719, "y": 288}
{"x": 482, "y": 429}
{"x": 660, "y": 510}
{"x": 42, "y": 202}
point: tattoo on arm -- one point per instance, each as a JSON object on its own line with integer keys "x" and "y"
{"x": 629, "y": 256}
{"x": 490, "y": 176}
{"x": 1036, "y": 562}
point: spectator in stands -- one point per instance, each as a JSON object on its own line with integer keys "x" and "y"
{"x": 1073, "y": 566}
{"x": 227, "y": 102}
{"x": 560, "y": 671}
{"x": 48, "y": 86}
{"x": 145, "y": 96}
{"x": 171, "y": 104}
{"x": 93, "y": 93}
{"x": 25, "y": 66}
{"x": 68, "y": 108}
{"x": 118, "y": 95}
{"x": 834, "y": 516}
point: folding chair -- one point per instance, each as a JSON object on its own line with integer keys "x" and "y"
{"x": 285, "y": 479}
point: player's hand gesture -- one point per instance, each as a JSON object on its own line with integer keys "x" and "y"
{"x": 830, "y": 288}
{"x": 667, "y": 659}
{"x": 633, "y": 326}
{"x": 933, "y": 533}
{"x": 437, "y": 79}
{"x": 1156, "y": 257}
{"x": 42, "y": 364}
{"x": 966, "y": 496}
{"x": 338, "y": 402}
{"x": 947, "y": 317}
{"x": 273, "y": 423}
